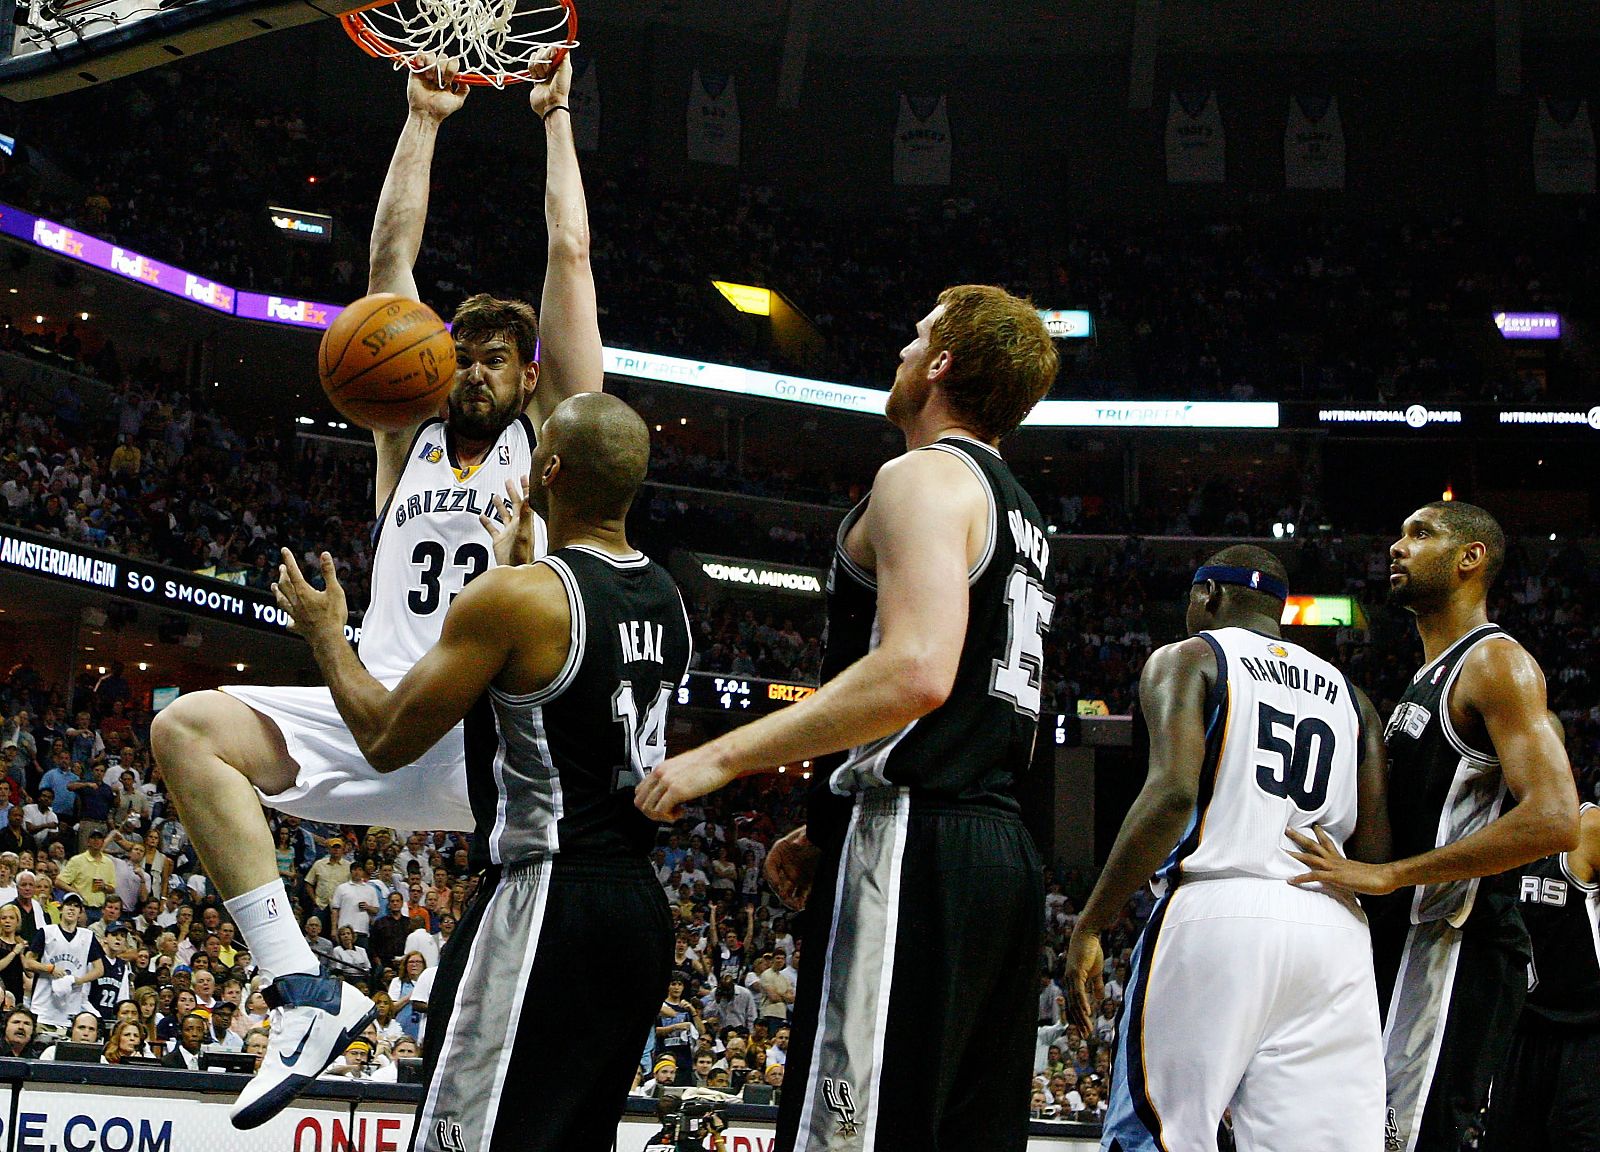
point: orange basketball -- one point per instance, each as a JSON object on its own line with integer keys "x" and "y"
{"x": 387, "y": 363}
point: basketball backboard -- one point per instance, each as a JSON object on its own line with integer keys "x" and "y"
{"x": 53, "y": 46}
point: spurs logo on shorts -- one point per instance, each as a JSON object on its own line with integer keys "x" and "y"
{"x": 447, "y": 1133}
{"x": 1391, "y": 1133}
{"x": 841, "y": 1101}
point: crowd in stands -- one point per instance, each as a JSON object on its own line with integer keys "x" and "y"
{"x": 1214, "y": 306}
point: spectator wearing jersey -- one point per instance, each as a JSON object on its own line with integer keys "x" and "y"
{"x": 65, "y": 959}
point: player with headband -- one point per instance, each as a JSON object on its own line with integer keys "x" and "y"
{"x": 1247, "y": 992}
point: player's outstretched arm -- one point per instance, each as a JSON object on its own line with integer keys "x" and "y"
{"x": 1371, "y": 840}
{"x": 1172, "y": 695}
{"x": 1504, "y": 686}
{"x": 570, "y": 358}
{"x": 431, "y": 96}
{"x": 482, "y": 630}
{"x": 924, "y": 508}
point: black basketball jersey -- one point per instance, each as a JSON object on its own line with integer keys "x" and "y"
{"x": 973, "y": 747}
{"x": 1563, "y": 918}
{"x": 1442, "y": 789}
{"x": 554, "y": 770}
{"x": 110, "y": 989}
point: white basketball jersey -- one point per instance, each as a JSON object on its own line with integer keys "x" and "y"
{"x": 430, "y": 543}
{"x": 70, "y": 958}
{"x": 1282, "y": 749}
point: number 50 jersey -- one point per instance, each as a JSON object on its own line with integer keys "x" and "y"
{"x": 429, "y": 543}
{"x": 1283, "y": 744}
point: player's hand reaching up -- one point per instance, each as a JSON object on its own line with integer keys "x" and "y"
{"x": 551, "y": 85}
{"x": 433, "y": 92}
{"x": 662, "y": 794}
{"x": 1085, "y": 964}
{"x": 513, "y": 533}
{"x": 314, "y": 615}
{"x": 1331, "y": 867}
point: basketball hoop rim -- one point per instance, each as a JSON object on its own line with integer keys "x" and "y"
{"x": 375, "y": 44}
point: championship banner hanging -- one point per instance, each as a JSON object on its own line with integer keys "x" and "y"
{"x": 922, "y": 141}
{"x": 1313, "y": 143}
{"x": 1563, "y": 148}
{"x": 713, "y": 119}
{"x": 1196, "y": 146}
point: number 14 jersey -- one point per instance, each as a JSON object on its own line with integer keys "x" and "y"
{"x": 1283, "y": 744}
{"x": 429, "y": 543}
{"x": 553, "y": 771}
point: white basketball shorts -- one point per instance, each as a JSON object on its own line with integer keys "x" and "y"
{"x": 336, "y": 785}
{"x": 1258, "y": 996}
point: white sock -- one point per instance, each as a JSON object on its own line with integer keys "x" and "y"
{"x": 266, "y": 921}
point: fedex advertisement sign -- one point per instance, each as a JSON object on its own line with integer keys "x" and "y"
{"x": 285, "y": 310}
{"x": 120, "y": 261}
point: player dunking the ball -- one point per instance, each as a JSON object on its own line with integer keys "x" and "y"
{"x": 924, "y": 910}
{"x": 1472, "y": 727}
{"x": 225, "y": 753}
{"x": 563, "y": 670}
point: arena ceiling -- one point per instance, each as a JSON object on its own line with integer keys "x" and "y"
{"x": 890, "y": 28}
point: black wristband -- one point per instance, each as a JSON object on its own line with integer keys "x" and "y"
{"x": 557, "y": 108}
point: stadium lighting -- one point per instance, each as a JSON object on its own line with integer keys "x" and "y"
{"x": 746, "y": 297}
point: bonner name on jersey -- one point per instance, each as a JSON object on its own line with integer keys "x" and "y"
{"x": 445, "y": 501}
{"x": 1031, "y": 542}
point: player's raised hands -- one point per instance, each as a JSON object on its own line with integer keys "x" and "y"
{"x": 1086, "y": 979}
{"x": 1331, "y": 867}
{"x": 512, "y": 534}
{"x": 434, "y": 91}
{"x": 313, "y": 614}
{"x": 551, "y": 85}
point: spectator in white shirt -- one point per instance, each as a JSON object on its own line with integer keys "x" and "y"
{"x": 355, "y": 902}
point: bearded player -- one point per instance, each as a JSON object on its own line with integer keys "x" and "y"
{"x": 441, "y": 522}
{"x": 1471, "y": 730}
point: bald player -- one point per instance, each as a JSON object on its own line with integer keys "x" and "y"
{"x": 1471, "y": 732}
{"x": 562, "y": 670}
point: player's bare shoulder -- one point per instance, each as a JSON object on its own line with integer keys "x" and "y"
{"x": 1497, "y": 673}
{"x": 1180, "y": 661}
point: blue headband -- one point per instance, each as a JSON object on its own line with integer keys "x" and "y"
{"x": 1251, "y": 578}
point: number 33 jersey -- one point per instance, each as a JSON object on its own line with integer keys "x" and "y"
{"x": 429, "y": 542}
{"x": 1283, "y": 743}
{"x": 554, "y": 770}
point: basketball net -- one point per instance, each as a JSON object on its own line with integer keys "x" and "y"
{"x": 495, "y": 41}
